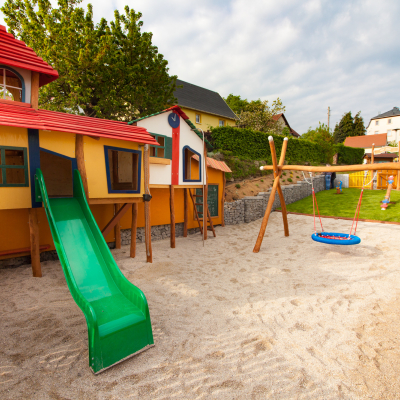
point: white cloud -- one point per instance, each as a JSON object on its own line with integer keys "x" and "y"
{"x": 312, "y": 54}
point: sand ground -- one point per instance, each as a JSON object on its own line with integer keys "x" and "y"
{"x": 299, "y": 320}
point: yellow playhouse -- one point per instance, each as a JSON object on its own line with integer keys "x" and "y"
{"x": 147, "y": 173}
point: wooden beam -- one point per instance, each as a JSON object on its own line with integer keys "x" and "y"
{"x": 80, "y": 160}
{"x": 117, "y": 227}
{"x": 281, "y": 196}
{"x": 398, "y": 173}
{"x": 342, "y": 168}
{"x": 35, "y": 247}
{"x": 205, "y": 193}
{"x": 372, "y": 161}
{"x": 223, "y": 199}
{"x": 116, "y": 200}
{"x": 35, "y": 90}
{"x": 147, "y": 215}
{"x": 185, "y": 212}
{"x": 172, "y": 213}
{"x": 118, "y": 214}
{"x": 272, "y": 195}
{"x": 158, "y": 160}
{"x": 134, "y": 229}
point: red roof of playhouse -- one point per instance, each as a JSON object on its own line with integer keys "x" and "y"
{"x": 16, "y": 53}
{"x": 366, "y": 140}
{"x": 24, "y": 116}
{"x": 211, "y": 162}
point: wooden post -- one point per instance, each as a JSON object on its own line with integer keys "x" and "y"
{"x": 272, "y": 194}
{"x": 205, "y": 193}
{"x": 281, "y": 197}
{"x": 34, "y": 237}
{"x": 117, "y": 229}
{"x": 147, "y": 216}
{"x": 134, "y": 229}
{"x": 35, "y": 90}
{"x": 372, "y": 161}
{"x": 80, "y": 160}
{"x": 186, "y": 212}
{"x": 172, "y": 211}
{"x": 398, "y": 173}
{"x": 223, "y": 200}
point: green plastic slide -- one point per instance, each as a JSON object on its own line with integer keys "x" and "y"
{"x": 116, "y": 311}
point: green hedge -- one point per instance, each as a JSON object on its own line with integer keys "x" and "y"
{"x": 254, "y": 145}
{"x": 348, "y": 155}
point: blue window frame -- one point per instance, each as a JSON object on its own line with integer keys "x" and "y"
{"x": 187, "y": 164}
{"x": 12, "y": 85}
{"x": 123, "y": 168}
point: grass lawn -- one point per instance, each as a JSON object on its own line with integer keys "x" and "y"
{"x": 344, "y": 205}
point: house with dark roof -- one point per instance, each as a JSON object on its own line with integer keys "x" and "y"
{"x": 281, "y": 120}
{"x": 204, "y": 107}
{"x": 388, "y": 123}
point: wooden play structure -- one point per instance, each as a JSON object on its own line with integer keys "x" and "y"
{"x": 70, "y": 182}
{"x": 279, "y": 167}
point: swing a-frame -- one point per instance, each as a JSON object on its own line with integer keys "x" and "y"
{"x": 278, "y": 168}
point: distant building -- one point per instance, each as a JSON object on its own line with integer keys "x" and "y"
{"x": 281, "y": 120}
{"x": 204, "y": 107}
{"x": 366, "y": 141}
{"x": 386, "y": 123}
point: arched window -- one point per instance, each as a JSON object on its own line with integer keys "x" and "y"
{"x": 11, "y": 85}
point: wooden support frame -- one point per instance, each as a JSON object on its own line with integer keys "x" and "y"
{"x": 147, "y": 215}
{"x": 172, "y": 212}
{"x": 185, "y": 212}
{"x": 276, "y": 186}
{"x": 372, "y": 161}
{"x": 134, "y": 229}
{"x": 119, "y": 212}
{"x": 117, "y": 226}
{"x": 223, "y": 200}
{"x": 35, "y": 246}
{"x": 205, "y": 194}
{"x": 398, "y": 174}
{"x": 80, "y": 161}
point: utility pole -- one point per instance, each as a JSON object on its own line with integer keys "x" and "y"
{"x": 329, "y": 116}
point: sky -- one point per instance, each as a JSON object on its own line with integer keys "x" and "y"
{"x": 312, "y": 54}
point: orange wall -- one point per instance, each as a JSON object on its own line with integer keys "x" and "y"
{"x": 14, "y": 227}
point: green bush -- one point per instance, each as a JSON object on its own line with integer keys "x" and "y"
{"x": 237, "y": 185}
{"x": 247, "y": 144}
{"x": 348, "y": 155}
{"x": 289, "y": 179}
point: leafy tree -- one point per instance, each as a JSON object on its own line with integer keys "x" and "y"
{"x": 106, "y": 70}
{"x": 258, "y": 115}
{"x": 349, "y": 126}
{"x": 236, "y": 103}
{"x": 359, "y": 128}
{"x": 323, "y": 137}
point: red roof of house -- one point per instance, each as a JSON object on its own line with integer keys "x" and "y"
{"x": 366, "y": 140}
{"x": 16, "y": 53}
{"x": 24, "y": 116}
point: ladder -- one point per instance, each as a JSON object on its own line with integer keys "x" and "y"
{"x": 197, "y": 213}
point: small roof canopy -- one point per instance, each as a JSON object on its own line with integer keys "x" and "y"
{"x": 15, "y": 53}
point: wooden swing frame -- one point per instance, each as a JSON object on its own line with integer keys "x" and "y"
{"x": 278, "y": 168}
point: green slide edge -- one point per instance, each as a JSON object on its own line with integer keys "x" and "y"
{"x": 100, "y": 353}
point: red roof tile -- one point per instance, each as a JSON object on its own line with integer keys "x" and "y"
{"x": 366, "y": 141}
{"x": 214, "y": 163}
{"x": 24, "y": 116}
{"x": 15, "y": 53}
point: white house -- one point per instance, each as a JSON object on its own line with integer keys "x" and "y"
{"x": 388, "y": 122}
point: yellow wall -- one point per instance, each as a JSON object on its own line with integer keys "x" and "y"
{"x": 206, "y": 120}
{"x": 96, "y": 166}
{"x": 59, "y": 142}
{"x": 14, "y": 197}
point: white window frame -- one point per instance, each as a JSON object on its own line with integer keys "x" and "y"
{"x": 4, "y": 87}
{"x": 389, "y": 120}
{"x": 376, "y": 122}
{"x": 198, "y": 119}
{"x": 221, "y": 122}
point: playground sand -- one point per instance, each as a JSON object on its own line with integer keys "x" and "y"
{"x": 299, "y": 320}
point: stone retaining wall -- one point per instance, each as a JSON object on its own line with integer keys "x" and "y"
{"x": 251, "y": 208}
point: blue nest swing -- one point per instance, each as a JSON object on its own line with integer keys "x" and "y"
{"x": 343, "y": 239}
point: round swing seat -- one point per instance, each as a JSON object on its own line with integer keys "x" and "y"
{"x": 342, "y": 239}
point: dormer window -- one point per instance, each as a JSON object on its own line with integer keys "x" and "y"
{"x": 11, "y": 85}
